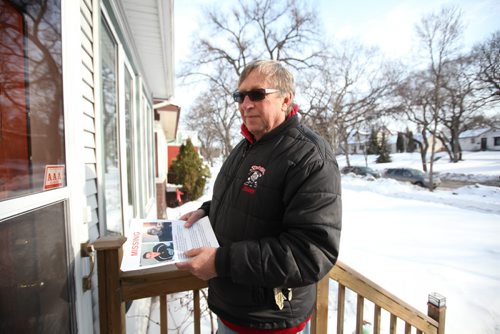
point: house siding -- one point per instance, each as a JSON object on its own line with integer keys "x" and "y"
{"x": 88, "y": 9}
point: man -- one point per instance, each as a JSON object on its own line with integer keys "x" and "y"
{"x": 160, "y": 252}
{"x": 276, "y": 211}
{"x": 162, "y": 230}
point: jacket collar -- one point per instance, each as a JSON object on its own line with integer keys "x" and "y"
{"x": 251, "y": 139}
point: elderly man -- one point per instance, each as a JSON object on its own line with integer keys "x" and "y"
{"x": 276, "y": 211}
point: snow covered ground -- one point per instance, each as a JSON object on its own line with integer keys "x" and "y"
{"x": 414, "y": 242}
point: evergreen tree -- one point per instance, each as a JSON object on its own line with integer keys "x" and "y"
{"x": 188, "y": 169}
{"x": 411, "y": 147}
{"x": 400, "y": 143}
{"x": 373, "y": 143}
{"x": 383, "y": 151}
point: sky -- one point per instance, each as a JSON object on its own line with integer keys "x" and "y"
{"x": 413, "y": 242}
{"x": 387, "y": 24}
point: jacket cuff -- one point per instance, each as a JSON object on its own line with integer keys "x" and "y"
{"x": 223, "y": 262}
{"x": 206, "y": 207}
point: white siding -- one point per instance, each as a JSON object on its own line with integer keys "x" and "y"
{"x": 88, "y": 9}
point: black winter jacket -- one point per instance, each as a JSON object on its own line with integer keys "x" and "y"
{"x": 276, "y": 211}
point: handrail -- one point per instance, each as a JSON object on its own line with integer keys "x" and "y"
{"x": 348, "y": 277}
{"x": 117, "y": 287}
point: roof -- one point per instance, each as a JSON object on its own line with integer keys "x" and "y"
{"x": 150, "y": 23}
{"x": 474, "y": 133}
{"x": 169, "y": 114}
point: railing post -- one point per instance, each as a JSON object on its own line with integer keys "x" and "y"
{"x": 319, "y": 321}
{"x": 436, "y": 309}
{"x": 163, "y": 315}
{"x": 197, "y": 311}
{"x": 111, "y": 306}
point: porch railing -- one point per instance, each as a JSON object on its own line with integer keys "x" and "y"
{"x": 116, "y": 288}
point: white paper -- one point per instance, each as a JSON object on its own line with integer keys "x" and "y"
{"x": 156, "y": 243}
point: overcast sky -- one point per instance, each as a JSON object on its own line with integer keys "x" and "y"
{"x": 388, "y": 24}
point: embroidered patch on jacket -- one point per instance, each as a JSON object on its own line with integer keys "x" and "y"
{"x": 255, "y": 172}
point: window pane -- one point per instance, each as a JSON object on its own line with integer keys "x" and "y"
{"x": 144, "y": 156}
{"x": 31, "y": 108}
{"x": 112, "y": 188}
{"x": 35, "y": 293}
{"x": 150, "y": 152}
{"x": 129, "y": 89}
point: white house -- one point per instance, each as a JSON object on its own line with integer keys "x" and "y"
{"x": 482, "y": 139}
{"x": 78, "y": 83}
{"x": 358, "y": 142}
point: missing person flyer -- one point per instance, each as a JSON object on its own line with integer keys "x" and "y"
{"x": 155, "y": 243}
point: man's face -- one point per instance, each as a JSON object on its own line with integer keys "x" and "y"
{"x": 260, "y": 117}
{"x": 154, "y": 231}
{"x": 151, "y": 255}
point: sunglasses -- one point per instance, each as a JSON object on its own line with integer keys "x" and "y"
{"x": 258, "y": 94}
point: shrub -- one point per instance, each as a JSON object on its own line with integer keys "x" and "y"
{"x": 188, "y": 169}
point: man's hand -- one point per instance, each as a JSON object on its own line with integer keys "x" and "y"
{"x": 192, "y": 217}
{"x": 201, "y": 263}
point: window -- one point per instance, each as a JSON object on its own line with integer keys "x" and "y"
{"x": 35, "y": 285}
{"x": 473, "y": 140}
{"x": 31, "y": 108}
{"x": 129, "y": 133}
{"x": 151, "y": 152}
{"x": 496, "y": 141}
{"x": 145, "y": 151}
{"x": 109, "y": 118}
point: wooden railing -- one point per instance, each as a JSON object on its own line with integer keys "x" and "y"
{"x": 116, "y": 288}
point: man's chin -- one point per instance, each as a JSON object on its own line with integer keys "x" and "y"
{"x": 253, "y": 128}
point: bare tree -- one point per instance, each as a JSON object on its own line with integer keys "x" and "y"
{"x": 216, "y": 118}
{"x": 282, "y": 30}
{"x": 439, "y": 33}
{"x": 346, "y": 93}
{"x": 462, "y": 103}
{"x": 487, "y": 55}
{"x": 415, "y": 99}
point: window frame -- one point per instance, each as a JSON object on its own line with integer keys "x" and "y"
{"x": 100, "y": 151}
{"x": 142, "y": 176}
{"x": 496, "y": 141}
{"x": 130, "y": 210}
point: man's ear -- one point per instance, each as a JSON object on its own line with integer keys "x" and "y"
{"x": 287, "y": 100}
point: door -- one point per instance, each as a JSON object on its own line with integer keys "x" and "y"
{"x": 36, "y": 289}
{"x": 484, "y": 145}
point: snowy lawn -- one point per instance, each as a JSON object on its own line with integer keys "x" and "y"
{"x": 414, "y": 242}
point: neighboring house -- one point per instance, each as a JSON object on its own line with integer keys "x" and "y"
{"x": 78, "y": 86}
{"x": 391, "y": 143}
{"x": 166, "y": 124}
{"x": 483, "y": 139}
{"x": 358, "y": 142}
{"x": 437, "y": 147}
{"x": 175, "y": 146}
